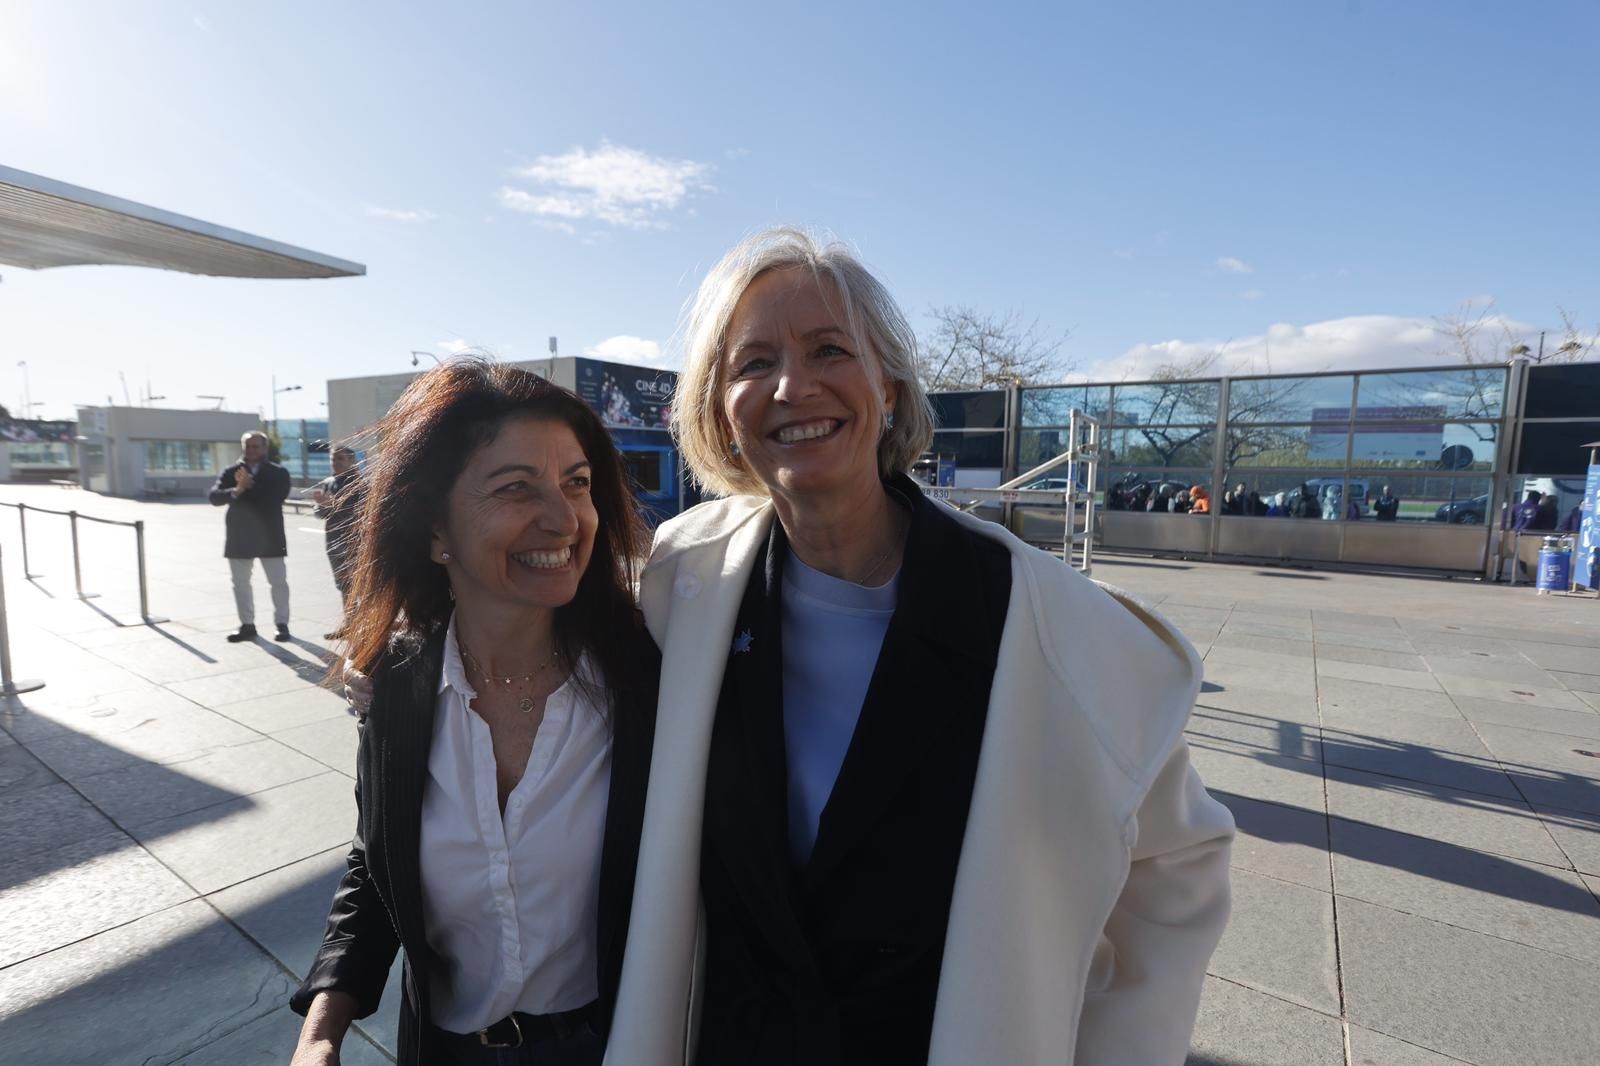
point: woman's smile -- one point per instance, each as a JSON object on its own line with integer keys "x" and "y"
{"x": 804, "y": 432}
{"x": 547, "y": 559}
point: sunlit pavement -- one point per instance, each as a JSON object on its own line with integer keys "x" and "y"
{"x": 1415, "y": 879}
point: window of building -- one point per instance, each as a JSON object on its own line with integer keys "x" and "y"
{"x": 40, "y": 453}
{"x": 188, "y": 456}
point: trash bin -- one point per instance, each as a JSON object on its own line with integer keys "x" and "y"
{"x": 1555, "y": 565}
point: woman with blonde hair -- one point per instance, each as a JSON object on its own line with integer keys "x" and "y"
{"x": 919, "y": 792}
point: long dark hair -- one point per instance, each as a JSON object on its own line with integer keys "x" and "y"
{"x": 399, "y": 596}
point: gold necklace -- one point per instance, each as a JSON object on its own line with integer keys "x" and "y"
{"x": 894, "y": 545}
{"x": 526, "y": 703}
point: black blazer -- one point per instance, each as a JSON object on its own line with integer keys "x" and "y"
{"x": 377, "y": 908}
{"x": 838, "y": 962}
{"x": 255, "y": 520}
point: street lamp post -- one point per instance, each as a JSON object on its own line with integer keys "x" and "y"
{"x": 275, "y": 391}
{"x": 27, "y": 395}
{"x": 416, "y": 352}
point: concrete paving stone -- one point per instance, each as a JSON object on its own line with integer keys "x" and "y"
{"x": 1547, "y": 766}
{"x": 1277, "y": 645}
{"x": 1501, "y": 826}
{"x": 282, "y": 825}
{"x": 285, "y": 910}
{"x": 167, "y": 662}
{"x": 1590, "y": 698}
{"x": 1530, "y": 716}
{"x": 1352, "y": 621}
{"x": 1368, "y": 1048}
{"x": 1279, "y": 631}
{"x": 1288, "y": 843}
{"x": 1280, "y": 941}
{"x": 145, "y": 791}
{"x": 1259, "y": 775}
{"x": 1256, "y": 732}
{"x": 1376, "y": 675}
{"x": 20, "y": 771}
{"x": 1263, "y": 703}
{"x": 1233, "y": 675}
{"x": 1560, "y": 657}
{"x": 166, "y": 737}
{"x": 1577, "y": 834}
{"x": 332, "y": 742}
{"x": 1241, "y": 1027}
{"x": 1499, "y": 651}
{"x": 1262, "y": 660}
{"x": 300, "y": 706}
{"x": 1514, "y": 899}
{"x": 1512, "y": 692}
{"x": 1395, "y": 660}
{"x": 271, "y": 1040}
{"x": 43, "y": 819}
{"x": 1469, "y": 665}
{"x": 1466, "y": 994}
{"x": 1266, "y": 610}
{"x": 1200, "y": 616}
{"x": 111, "y": 635}
{"x": 1368, "y": 639}
{"x": 1429, "y": 751}
{"x": 151, "y": 991}
{"x": 1577, "y": 682}
{"x": 1342, "y": 694}
{"x": 237, "y": 686}
{"x": 57, "y": 897}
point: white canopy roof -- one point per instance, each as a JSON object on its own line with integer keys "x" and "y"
{"x": 45, "y": 223}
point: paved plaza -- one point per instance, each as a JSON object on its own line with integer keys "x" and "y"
{"x": 1411, "y": 763}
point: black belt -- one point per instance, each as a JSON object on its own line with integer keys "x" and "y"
{"x": 518, "y": 1028}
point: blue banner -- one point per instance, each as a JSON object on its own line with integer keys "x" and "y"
{"x": 1585, "y": 574}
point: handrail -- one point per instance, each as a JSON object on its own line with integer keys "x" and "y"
{"x": 72, "y": 518}
{"x": 8, "y": 686}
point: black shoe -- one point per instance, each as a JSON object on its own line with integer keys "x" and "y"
{"x": 245, "y": 633}
{"x": 283, "y": 634}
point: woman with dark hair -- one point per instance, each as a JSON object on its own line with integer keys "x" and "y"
{"x": 502, "y": 765}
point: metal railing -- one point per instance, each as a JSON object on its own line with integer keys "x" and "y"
{"x": 10, "y": 687}
{"x": 1082, "y": 460}
{"x": 73, "y": 518}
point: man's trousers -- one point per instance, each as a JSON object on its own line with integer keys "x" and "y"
{"x": 244, "y": 598}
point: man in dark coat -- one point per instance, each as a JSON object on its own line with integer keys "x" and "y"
{"x": 338, "y": 502}
{"x": 1525, "y": 514}
{"x": 1386, "y": 507}
{"x": 1306, "y": 505}
{"x": 253, "y": 491}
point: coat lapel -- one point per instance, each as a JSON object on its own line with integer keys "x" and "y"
{"x": 935, "y": 665}
{"x": 404, "y": 709}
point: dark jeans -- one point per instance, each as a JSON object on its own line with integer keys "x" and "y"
{"x": 576, "y": 1044}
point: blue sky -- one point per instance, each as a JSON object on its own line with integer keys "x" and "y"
{"x": 1155, "y": 179}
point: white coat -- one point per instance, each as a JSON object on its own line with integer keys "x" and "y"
{"x": 1093, "y": 880}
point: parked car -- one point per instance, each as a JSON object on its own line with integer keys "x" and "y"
{"x": 1463, "y": 512}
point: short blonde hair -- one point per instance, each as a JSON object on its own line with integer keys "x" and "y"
{"x": 871, "y": 316}
{"x": 247, "y": 437}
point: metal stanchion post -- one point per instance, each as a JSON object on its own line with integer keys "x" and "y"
{"x": 144, "y": 587}
{"x": 77, "y": 568}
{"x": 8, "y": 687}
{"x": 22, "y": 521}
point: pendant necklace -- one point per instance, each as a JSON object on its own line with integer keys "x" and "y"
{"x": 526, "y": 703}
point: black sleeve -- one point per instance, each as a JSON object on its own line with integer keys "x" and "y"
{"x": 359, "y": 944}
{"x": 276, "y": 489}
{"x": 221, "y": 493}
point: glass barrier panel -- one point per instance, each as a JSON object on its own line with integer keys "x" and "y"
{"x": 1166, "y": 403}
{"x": 1556, "y": 446}
{"x": 1425, "y": 446}
{"x": 984, "y": 450}
{"x": 1053, "y": 405}
{"x": 1157, "y": 447}
{"x": 1287, "y": 446}
{"x": 969, "y": 410}
{"x": 1160, "y": 491}
{"x": 1474, "y": 393}
{"x": 1255, "y": 400}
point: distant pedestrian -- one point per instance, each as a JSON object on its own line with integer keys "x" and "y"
{"x": 1547, "y": 517}
{"x": 338, "y": 501}
{"x": 253, "y": 491}
{"x": 1525, "y": 514}
{"x": 1305, "y": 504}
{"x": 1386, "y": 507}
{"x": 1199, "y": 500}
{"x": 1256, "y": 506}
{"x": 1573, "y": 523}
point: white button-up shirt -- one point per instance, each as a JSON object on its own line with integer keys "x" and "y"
{"x": 510, "y": 903}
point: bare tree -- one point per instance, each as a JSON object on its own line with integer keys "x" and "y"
{"x": 1575, "y": 346}
{"x": 972, "y": 349}
{"x": 1476, "y": 333}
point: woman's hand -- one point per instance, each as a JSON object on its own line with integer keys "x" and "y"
{"x": 357, "y": 690}
{"x": 323, "y": 1032}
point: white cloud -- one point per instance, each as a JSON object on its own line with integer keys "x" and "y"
{"x": 1357, "y": 342}
{"x": 627, "y": 349}
{"x": 1228, "y": 264}
{"x": 395, "y": 214}
{"x": 612, "y": 184}
{"x": 1251, "y": 294}
{"x": 453, "y": 346}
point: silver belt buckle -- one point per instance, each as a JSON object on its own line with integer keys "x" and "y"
{"x": 483, "y": 1035}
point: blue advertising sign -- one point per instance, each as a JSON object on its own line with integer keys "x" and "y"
{"x": 1585, "y": 574}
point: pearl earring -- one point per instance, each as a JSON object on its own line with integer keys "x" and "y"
{"x": 888, "y": 420}
{"x": 444, "y": 557}
{"x": 733, "y": 449}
